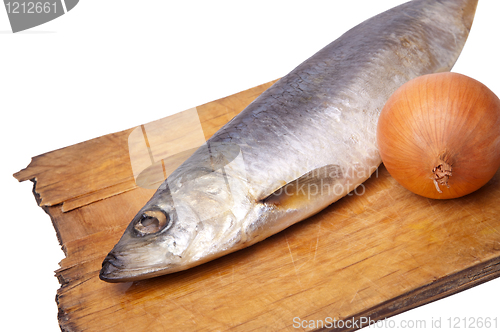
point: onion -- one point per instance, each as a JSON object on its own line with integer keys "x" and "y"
{"x": 439, "y": 135}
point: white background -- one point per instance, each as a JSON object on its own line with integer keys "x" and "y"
{"x": 112, "y": 65}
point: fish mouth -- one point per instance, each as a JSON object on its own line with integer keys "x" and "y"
{"x": 111, "y": 268}
{"x": 114, "y": 270}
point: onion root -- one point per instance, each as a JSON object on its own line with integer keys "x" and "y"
{"x": 442, "y": 173}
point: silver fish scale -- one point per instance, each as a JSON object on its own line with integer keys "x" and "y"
{"x": 325, "y": 111}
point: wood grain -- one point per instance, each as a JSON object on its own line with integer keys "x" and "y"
{"x": 374, "y": 253}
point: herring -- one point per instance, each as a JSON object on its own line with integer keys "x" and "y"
{"x": 303, "y": 144}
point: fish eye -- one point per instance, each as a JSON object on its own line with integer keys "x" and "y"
{"x": 151, "y": 222}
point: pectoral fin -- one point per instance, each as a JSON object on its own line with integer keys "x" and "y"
{"x": 311, "y": 186}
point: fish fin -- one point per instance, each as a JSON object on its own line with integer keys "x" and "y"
{"x": 308, "y": 187}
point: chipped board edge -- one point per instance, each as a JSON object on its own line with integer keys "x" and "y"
{"x": 440, "y": 288}
{"x": 45, "y": 208}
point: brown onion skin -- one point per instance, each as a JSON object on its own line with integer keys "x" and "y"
{"x": 441, "y": 118}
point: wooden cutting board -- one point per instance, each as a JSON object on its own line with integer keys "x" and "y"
{"x": 373, "y": 254}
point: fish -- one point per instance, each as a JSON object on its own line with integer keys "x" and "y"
{"x": 304, "y": 143}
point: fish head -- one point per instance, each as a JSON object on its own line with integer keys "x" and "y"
{"x": 192, "y": 218}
